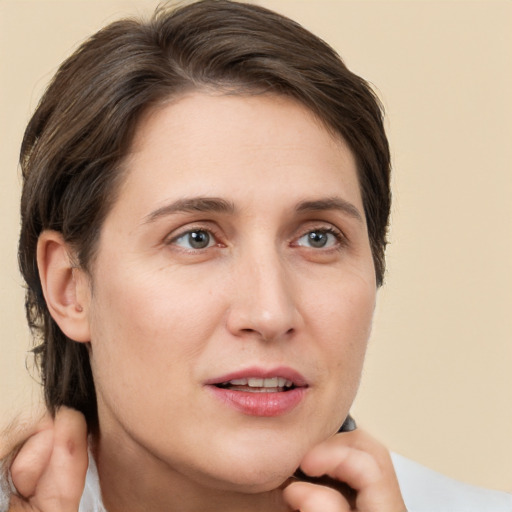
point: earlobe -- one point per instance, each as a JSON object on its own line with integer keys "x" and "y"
{"x": 65, "y": 287}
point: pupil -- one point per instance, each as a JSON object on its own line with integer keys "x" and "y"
{"x": 317, "y": 239}
{"x": 199, "y": 239}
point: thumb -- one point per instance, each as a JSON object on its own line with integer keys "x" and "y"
{"x": 31, "y": 461}
{"x": 50, "y": 470}
{"x": 62, "y": 483}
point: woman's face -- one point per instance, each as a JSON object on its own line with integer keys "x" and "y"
{"x": 232, "y": 292}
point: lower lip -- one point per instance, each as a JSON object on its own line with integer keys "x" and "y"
{"x": 260, "y": 404}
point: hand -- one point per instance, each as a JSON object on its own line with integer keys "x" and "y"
{"x": 49, "y": 470}
{"x": 360, "y": 477}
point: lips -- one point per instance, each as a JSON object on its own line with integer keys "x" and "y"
{"x": 260, "y": 392}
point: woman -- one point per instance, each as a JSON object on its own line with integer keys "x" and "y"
{"x": 204, "y": 214}
{"x": 204, "y": 217}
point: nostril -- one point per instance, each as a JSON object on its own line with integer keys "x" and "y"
{"x": 267, "y": 336}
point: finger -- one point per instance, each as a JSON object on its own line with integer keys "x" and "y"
{"x": 63, "y": 481}
{"x": 347, "y": 464}
{"x": 307, "y": 497}
{"x": 361, "y": 462}
{"x": 31, "y": 461}
{"x": 19, "y": 505}
{"x": 70, "y": 446}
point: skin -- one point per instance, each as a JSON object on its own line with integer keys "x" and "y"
{"x": 162, "y": 317}
{"x": 49, "y": 471}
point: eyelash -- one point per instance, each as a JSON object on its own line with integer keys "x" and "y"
{"x": 336, "y": 233}
{"x": 196, "y": 229}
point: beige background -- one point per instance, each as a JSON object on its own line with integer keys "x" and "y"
{"x": 438, "y": 381}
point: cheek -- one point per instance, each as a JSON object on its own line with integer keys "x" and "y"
{"x": 151, "y": 306}
{"x": 344, "y": 309}
{"x": 146, "y": 330}
{"x": 343, "y": 321}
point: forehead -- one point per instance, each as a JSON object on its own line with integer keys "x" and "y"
{"x": 212, "y": 145}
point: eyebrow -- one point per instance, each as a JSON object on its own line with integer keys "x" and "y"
{"x": 330, "y": 203}
{"x": 191, "y": 204}
{"x": 218, "y": 205}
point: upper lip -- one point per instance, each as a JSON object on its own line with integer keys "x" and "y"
{"x": 263, "y": 373}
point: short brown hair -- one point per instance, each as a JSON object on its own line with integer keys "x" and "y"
{"x": 84, "y": 125}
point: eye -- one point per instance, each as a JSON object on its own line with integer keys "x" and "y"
{"x": 320, "y": 239}
{"x": 195, "y": 239}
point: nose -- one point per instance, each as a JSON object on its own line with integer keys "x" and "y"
{"x": 264, "y": 302}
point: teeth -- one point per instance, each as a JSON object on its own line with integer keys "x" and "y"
{"x": 270, "y": 383}
{"x": 256, "y": 382}
{"x": 238, "y": 382}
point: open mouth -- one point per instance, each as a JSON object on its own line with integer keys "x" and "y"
{"x": 260, "y": 392}
{"x": 258, "y": 385}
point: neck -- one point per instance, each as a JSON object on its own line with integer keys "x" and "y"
{"x": 134, "y": 481}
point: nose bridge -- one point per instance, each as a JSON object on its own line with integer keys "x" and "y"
{"x": 264, "y": 302}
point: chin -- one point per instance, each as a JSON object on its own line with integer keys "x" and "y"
{"x": 251, "y": 481}
{"x": 259, "y": 468}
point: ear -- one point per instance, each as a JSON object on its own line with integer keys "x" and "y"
{"x": 65, "y": 287}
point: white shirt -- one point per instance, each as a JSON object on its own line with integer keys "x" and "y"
{"x": 423, "y": 490}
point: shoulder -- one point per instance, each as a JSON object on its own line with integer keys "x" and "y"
{"x": 425, "y": 490}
